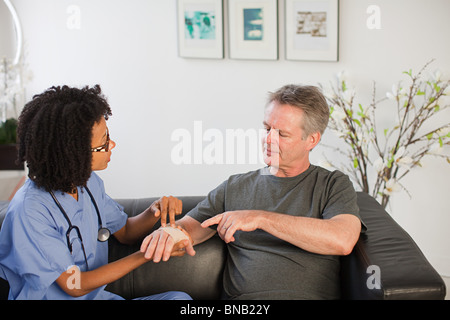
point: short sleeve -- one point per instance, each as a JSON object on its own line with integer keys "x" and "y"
{"x": 39, "y": 254}
{"x": 341, "y": 198}
{"x": 113, "y": 216}
{"x": 211, "y": 206}
{"x": 116, "y": 218}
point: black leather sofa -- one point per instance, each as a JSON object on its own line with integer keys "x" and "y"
{"x": 385, "y": 253}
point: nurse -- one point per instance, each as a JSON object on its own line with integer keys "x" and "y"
{"x": 53, "y": 239}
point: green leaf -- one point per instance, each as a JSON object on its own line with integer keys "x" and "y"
{"x": 429, "y": 136}
{"x": 420, "y": 93}
{"x": 389, "y": 164}
{"x": 436, "y": 87}
{"x": 405, "y": 104}
{"x": 385, "y": 132}
{"x": 441, "y": 143}
{"x": 355, "y": 163}
{"x": 357, "y": 122}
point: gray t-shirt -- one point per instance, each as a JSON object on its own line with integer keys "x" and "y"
{"x": 261, "y": 266}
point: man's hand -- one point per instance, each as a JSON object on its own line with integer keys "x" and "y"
{"x": 231, "y": 221}
{"x": 171, "y": 205}
{"x": 160, "y": 245}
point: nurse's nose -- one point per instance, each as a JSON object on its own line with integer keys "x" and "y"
{"x": 112, "y": 144}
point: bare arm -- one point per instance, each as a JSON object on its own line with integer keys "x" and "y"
{"x": 195, "y": 229}
{"x": 335, "y": 236}
{"x": 152, "y": 247}
{"x": 76, "y": 283}
{"x": 137, "y": 227}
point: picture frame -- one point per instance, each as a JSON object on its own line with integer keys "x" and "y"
{"x": 312, "y": 30}
{"x": 200, "y": 29}
{"x": 253, "y": 29}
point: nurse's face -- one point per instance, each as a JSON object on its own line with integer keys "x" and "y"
{"x": 100, "y": 137}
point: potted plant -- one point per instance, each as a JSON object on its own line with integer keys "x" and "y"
{"x": 8, "y": 145}
{"x": 11, "y": 98}
{"x": 378, "y": 158}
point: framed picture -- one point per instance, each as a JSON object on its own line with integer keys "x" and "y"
{"x": 200, "y": 28}
{"x": 253, "y": 29}
{"x": 312, "y": 30}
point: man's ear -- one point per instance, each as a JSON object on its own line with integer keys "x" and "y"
{"x": 313, "y": 140}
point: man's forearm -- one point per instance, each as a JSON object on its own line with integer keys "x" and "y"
{"x": 195, "y": 230}
{"x": 335, "y": 236}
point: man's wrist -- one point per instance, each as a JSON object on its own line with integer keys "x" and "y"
{"x": 177, "y": 233}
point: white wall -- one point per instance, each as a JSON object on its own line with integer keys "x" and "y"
{"x": 7, "y": 43}
{"x": 130, "y": 48}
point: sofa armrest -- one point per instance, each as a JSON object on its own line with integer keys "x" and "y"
{"x": 386, "y": 263}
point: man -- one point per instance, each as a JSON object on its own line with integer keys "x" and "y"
{"x": 285, "y": 225}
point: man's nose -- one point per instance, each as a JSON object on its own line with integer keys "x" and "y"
{"x": 272, "y": 136}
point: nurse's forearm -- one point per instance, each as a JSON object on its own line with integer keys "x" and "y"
{"x": 136, "y": 228}
{"x": 81, "y": 283}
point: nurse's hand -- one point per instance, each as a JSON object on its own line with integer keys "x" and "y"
{"x": 167, "y": 205}
{"x": 161, "y": 245}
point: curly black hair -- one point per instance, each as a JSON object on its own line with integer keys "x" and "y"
{"x": 55, "y": 133}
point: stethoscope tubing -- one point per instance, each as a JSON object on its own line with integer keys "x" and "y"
{"x": 102, "y": 235}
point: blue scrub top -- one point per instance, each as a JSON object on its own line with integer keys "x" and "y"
{"x": 33, "y": 245}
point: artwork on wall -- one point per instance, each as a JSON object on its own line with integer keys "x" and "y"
{"x": 312, "y": 30}
{"x": 200, "y": 28}
{"x": 253, "y": 29}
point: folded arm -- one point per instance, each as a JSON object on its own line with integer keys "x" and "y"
{"x": 335, "y": 236}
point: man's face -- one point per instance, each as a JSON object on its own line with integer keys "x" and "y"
{"x": 285, "y": 145}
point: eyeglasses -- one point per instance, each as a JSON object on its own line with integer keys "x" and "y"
{"x": 105, "y": 147}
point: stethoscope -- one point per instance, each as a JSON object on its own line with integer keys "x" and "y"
{"x": 102, "y": 235}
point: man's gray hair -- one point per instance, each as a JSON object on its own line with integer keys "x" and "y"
{"x": 309, "y": 99}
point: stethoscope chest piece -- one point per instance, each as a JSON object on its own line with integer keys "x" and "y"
{"x": 103, "y": 234}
